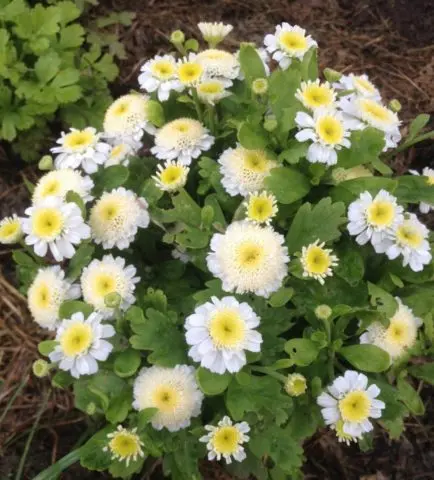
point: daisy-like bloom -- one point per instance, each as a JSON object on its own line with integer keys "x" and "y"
{"x": 128, "y": 117}
{"x": 56, "y": 226}
{"x": 410, "y": 239}
{"x": 211, "y": 91}
{"x": 124, "y": 445}
{"x": 171, "y": 177}
{"x": 213, "y": 33}
{"x": 121, "y": 152}
{"x": 219, "y": 63}
{"x": 220, "y": 332}
{"x": 109, "y": 275}
{"x": 364, "y": 111}
{"x": 116, "y": 217}
{"x": 261, "y": 207}
{"x": 80, "y": 148}
{"x": 328, "y": 132}
{"x": 399, "y": 336}
{"x": 287, "y": 43}
{"x": 341, "y": 435}
{"x": 359, "y": 85}
{"x": 243, "y": 171}
{"x": 295, "y": 385}
{"x": 313, "y": 95}
{"x": 10, "y": 230}
{"x": 226, "y": 440}
{"x": 428, "y": 173}
{"x": 351, "y": 400}
{"x": 58, "y": 183}
{"x": 160, "y": 75}
{"x": 374, "y": 219}
{"x": 190, "y": 71}
{"x": 182, "y": 139}
{"x": 81, "y": 343}
{"x": 47, "y": 292}
{"x": 248, "y": 258}
{"x": 173, "y": 391}
{"x": 317, "y": 261}
{"x": 343, "y": 174}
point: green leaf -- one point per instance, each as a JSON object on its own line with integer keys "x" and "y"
{"x": 69, "y": 307}
{"x": 251, "y": 63}
{"x": 8, "y": 130}
{"x": 351, "y": 266}
{"x": 349, "y": 190}
{"x": 309, "y": 65}
{"x": 74, "y": 197}
{"x": 366, "y": 146}
{"x": 252, "y": 137}
{"x": 119, "y": 406}
{"x": 287, "y": 184}
{"x": 414, "y": 189}
{"x": 127, "y": 363}
{"x": 409, "y": 396}
{"x": 24, "y": 260}
{"x": 368, "y": 358}
{"x": 212, "y": 383}
{"x": 111, "y": 177}
{"x": 83, "y": 256}
{"x": 71, "y": 36}
{"x": 423, "y": 372}
{"x": 46, "y": 347}
{"x": 417, "y": 125}
{"x": 155, "y": 113}
{"x": 320, "y": 222}
{"x": 62, "y": 379}
{"x": 302, "y": 351}
{"x": 145, "y": 416}
{"x": 193, "y": 238}
{"x": 294, "y": 152}
{"x": 92, "y": 454}
{"x": 281, "y": 297}
{"x": 66, "y": 77}
{"x": 47, "y": 66}
{"x": 384, "y": 301}
{"x": 192, "y": 44}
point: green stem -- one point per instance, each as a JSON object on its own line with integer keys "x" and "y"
{"x": 14, "y": 396}
{"x": 408, "y": 144}
{"x": 269, "y": 371}
{"x": 56, "y": 469}
{"x": 330, "y": 365}
{"x": 211, "y": 115}
{"x": 197, "y": 104}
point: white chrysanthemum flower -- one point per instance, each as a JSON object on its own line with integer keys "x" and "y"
{"x": 219, "y": 63}
{"x": 182, "y": 139}
{"x": 212, "y": 90}
{"x": 160, "y": 75}
{"x": 351, "y": 400}
{"x": 399, "y": 336}
{"x": 328, "y": 132}
{"x": 190, "y": 71}
{"x": 243, "y": 171}
{"x": 128, "y": 117}
{"x": 220, "y": 331}
{"x": 116, "y": 217}
{"x": 374, "y": 219}
{"x": 213, "y": 33}
{"x": 120, "y": 153}
{"x": 359, "y": 85}
{"x": 364, "y": 111}
{"x": 56, "y": 226}
{"x": 288, "y": 42}
{"x": 226, "y": 440}
{"x": 295, "y": 385}
{"x": 317, "y": 261}
{"x": 343, "y": 437}
{"x": 58, "y": 183}
{"x": 410, "y": 239}
{"x": 263, "y": 54}
{"x": 80, "y": 148}
{"x": 81, "y": 343}
{"x": 173, "y": 391}
{"x": 314, "y": 95}
{"x": 428, "y": 173}
{"x": 10, "y": 230}
{"x": 109, "y": 275}
{"x": 47, "y": 292}
{"x": 171, "y": 177}
{"x": 248, "y": 258}
{"x": 261, "y": 207}
{"x": 124, "y": 445}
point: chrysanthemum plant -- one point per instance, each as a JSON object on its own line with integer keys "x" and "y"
{"x": 231, "y": 265}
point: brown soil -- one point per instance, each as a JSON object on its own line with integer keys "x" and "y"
{"x": 392, "y": 41}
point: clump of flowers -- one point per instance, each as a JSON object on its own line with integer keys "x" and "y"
{"x": 233, "y": 239}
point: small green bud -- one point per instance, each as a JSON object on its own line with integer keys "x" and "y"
{"x": 90, "y": 408}
{"x": 295, "y": 385}
{"x": 332, "y": 75}
{"x": 46, "y": 163}
{"x": 260, "y": 86}
{"x": 41, "y": 368}
{"x": 270, "y": 123}
{"x": 323, "y": 312}
{"x": 177, "y": 37}
{"x": 112, "y": 300}
{"x": 395, "y": 105}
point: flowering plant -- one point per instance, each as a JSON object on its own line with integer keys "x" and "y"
{"x": 259, "y": 274}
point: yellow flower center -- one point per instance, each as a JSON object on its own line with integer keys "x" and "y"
{"x": 47, "y": 223}
{"x": 9, "y": 229}
{"x": 250, "y": 255}
{"x": 317, "y": 260}
{"x": 364, "y": 84}
{"x": 171, "y": 174}
{"x": 330, "y": 130}
{"x": 380, "y": 213}
{"x": 398, "y": 333}
{"x": 78, "y": 139}
{"x": 318, "y": 96}
{"x": 340, "y": 431}
{"x": 293, "y": 41}
{"x": 375, "y": 110}
{"x": 51, "y": 187}
{"x": 189, "y": 72}
{"x": 104, "y": 284}
{"x": 355, "y": 406}
{"x": 260, "y": 209}
{"x": 76, "y": 339}
{"x": 256, "y": 161}
{"x": 108, "y": 210}
{"x": 125, "y": 444}
{"x": 121, "y": 109}
{"x": 408, "y": 235}
{"x": 163, "y": 69}
{"x": 166, "y": 398}
{"x": 117, "y": 151}
{"x": 298, "y": 386}
{"x": 225, "y": 440}
{"x": 181, "y": 126}
{"x": 42, "y": 296}
{"x": 227, "y": 329}
{"x": 210, "y": 88}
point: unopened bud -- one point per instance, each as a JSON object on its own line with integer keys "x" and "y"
{"x": 323, "y": 312}
{"x": 177, "y": 37}
{"x": 260, "y": 86}
{"x": 41, "y": 368}
{"x": 332, "y": 75}
{"x": 90, "y": 408}
{"x": 46, "y": 163}
{"x": 395, "y": 105}
{"x": 112, "y": 300}
{"x": 295, "y": 385}
{"x": 270, "y": 123}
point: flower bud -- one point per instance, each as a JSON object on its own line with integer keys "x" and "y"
{"x": 395, "y": 105}
{"x": 323, "y": 312}
{"x": 295, "y": 385}
{"x": 270, "y": 123}
{"x": 40, "y": 368}
{"x": 332, "y": 75}
{"x": 112, "y": 300}
{"x": 260, "y": 86}
{"x": 90, "y": 408}
{"x": 46, "y": 163}
{"x": 177, "y": 37}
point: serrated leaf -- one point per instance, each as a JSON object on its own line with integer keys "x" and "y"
{"x": 368, "y": 358}
{"x": 68, "y": 76}
{"x": 287, "y": 184}
{"x": 127, "y": 363}
{"x": 111, "y": 177}
{"x": 384, "y": 301}
{"x": 252, "y": 137}
{"x": 302, "y": 351}
{"x": 212, "y": 383}
{"x": 71, "y": 36}
{"x": 251, "y": 63}
{"x": 47, "y": 66}
{"x": 414, "y": 189}
{"x": 81, "y": 258}
{"x": 366, "y": 146}
{"x": 349, "y": 190}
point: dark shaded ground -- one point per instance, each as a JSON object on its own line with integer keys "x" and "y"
{"x": 392, "y": 41}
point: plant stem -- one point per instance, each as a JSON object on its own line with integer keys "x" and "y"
{"x": 197, "y": 104}
{"x": 14, "y": 396}
{"x": 269, "y": 371}
{"x": 56, "y": 469}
